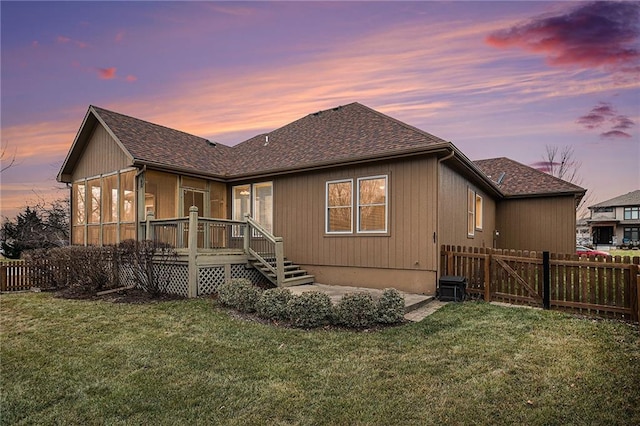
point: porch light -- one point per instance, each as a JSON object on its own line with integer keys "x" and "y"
{"x": 244, "y": 192}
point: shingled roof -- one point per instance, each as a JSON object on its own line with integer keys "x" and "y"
{"x": 630, "y": 199}
{"x": 343, "y": 134}
{"x": 150, "y": 143}
{"x": 518, "y": 180}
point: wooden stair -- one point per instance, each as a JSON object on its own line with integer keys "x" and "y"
{"x": 293, "y": 274}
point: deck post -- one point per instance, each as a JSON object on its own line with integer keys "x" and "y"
{"x": 193, "y": 252}
{"x": 247, "y": 233}
{"x": 279, "y": 261}
{"x": 149, "y": 229}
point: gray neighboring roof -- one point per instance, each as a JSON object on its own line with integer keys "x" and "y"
{"x": 630, "y": 199}
{"x": 518, "y": 180}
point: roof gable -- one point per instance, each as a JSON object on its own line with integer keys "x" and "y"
{"x": 630, "y": 199}
{"x": 518, "y": 180}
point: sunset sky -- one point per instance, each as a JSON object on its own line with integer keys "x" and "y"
{"x": 495, "y": 78}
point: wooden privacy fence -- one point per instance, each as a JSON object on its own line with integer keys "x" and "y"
{"x": 19, "y": 275}
{"x": 603, "y": 286}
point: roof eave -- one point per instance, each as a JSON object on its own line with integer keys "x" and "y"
{"x": 341, "y": 163}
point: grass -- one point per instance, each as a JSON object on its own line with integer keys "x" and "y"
{"x": 189, "y": 362}
{"x": 630, "y": 253}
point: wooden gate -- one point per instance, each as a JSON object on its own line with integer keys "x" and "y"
{"x": 516, "y": 279}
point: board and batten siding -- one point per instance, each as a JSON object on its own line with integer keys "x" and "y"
{"x": 101, "y": 155}
{"x": 538, "y": 224}
{"x": 407, "y": 251}
{"x": 453, "y": 212}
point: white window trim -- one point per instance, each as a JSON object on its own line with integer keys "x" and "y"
{"x": 479, "y": 216}
{"x": 386, "y": 205}
{"x": 471, "y": 211}
{"x": 326, "y": 210}
{"x": 253, "y": 200}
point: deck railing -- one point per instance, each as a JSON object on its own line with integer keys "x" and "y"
{"x": 212, "y": 234}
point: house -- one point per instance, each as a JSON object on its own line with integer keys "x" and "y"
{"x": 616, "y": 222}
{"x": 355, "y": 197}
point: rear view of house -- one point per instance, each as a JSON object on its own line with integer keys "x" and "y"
{"x": 616, "y": 222}
{"x": 353, "y": 196}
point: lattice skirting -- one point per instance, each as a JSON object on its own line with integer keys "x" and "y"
{"x": 209, "y": 278}
{"x": 177, "y": 278}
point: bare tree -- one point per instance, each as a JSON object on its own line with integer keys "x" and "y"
{"x": 4, "y": 157}
{"x": 562, "y": 163}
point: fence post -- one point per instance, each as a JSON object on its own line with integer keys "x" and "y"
{"x": 487, "y": 277}
{"x": 546, "y": 280}
{"x": 3, "y": 277}
{"x": 635, "y": 293}
{"x": 193, "y": 252}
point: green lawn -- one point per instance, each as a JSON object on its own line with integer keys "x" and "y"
{"x": 189, "y": 362}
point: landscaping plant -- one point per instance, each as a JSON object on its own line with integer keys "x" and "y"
{"x": 272, "y": 304}
{"x": 357, "y": 310}
{"x": 240, "y": 294}
{"x": 390, "y": 307}
{"x": 310, "y": 309}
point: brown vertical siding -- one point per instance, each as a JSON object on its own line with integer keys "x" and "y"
{"x": 453, "y": 212}
{"x": 299, "y": 215}
{"x": 538, "y": 224}
{"x": 101, "y": 155}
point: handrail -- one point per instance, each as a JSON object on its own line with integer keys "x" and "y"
{"x": 275, "y": 243}
{"x": 268, "y": 235}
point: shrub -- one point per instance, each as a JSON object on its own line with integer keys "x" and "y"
{"x": 272, "y": 304}
{"x": 150, "y": 263}
{"x": 309, "y": 309}
{"x": 390, "y": 307}
{"x": 356, "y": 310}
{"x": 240, "y": 294}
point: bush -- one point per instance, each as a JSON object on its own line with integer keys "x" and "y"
{"x": 309, "y": 309}
{"x": 240, "y": 294}
{"x": 390, "y": 309}
{"x": 151, "y": 264}
{"x": 90, "y": 268}
{"x": 356, "y": 310}
{"x": 272, "y": 304}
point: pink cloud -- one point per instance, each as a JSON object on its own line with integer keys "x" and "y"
{"x": 131, "y": 78}
{"x": 63, "y": 39}
{"x": 589, "y": 35}
{"x": 615, "y": 134}
{"x": 120, "y": 36}
{"x": 622, "y": 122}
{"x": 107, "y": 73}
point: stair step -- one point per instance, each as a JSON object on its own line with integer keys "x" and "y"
{"x": 305, "y": 279}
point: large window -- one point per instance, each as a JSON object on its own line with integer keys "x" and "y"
{"x": 255, "y": 200}
{"x": 161, "y": 193}
{"x": 372, "y": 204}
{"x": 339, "y": 214}
{"x": 631, "y": 213}
{"x": 104, "y": 209}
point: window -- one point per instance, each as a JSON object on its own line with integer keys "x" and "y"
{"x": 339, "y": 215}
{"x": 241, "y": 202}
{"x": 161, "y": 192}
{"x": 478, "y": 212}
{"x": 372, "y": 204}
{"x": 110, "y": 199}
{"x": 471, "y": 212}
{"x": 631, "y": 213}
{"x": 94, "y": 201}
{"x": 263, "y": 204}
{"x": 631, "y": 234}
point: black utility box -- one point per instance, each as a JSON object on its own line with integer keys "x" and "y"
{"x": 452, "y": 288}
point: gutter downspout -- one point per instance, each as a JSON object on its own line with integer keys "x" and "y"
{"x": 139, "y": 188}
{"x": 436, "y": 234}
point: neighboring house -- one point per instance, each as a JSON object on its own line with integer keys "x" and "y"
{"x": 358, "y": 198}
{"x": 616, "y": 222}
{"x": 583, "y": 233}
